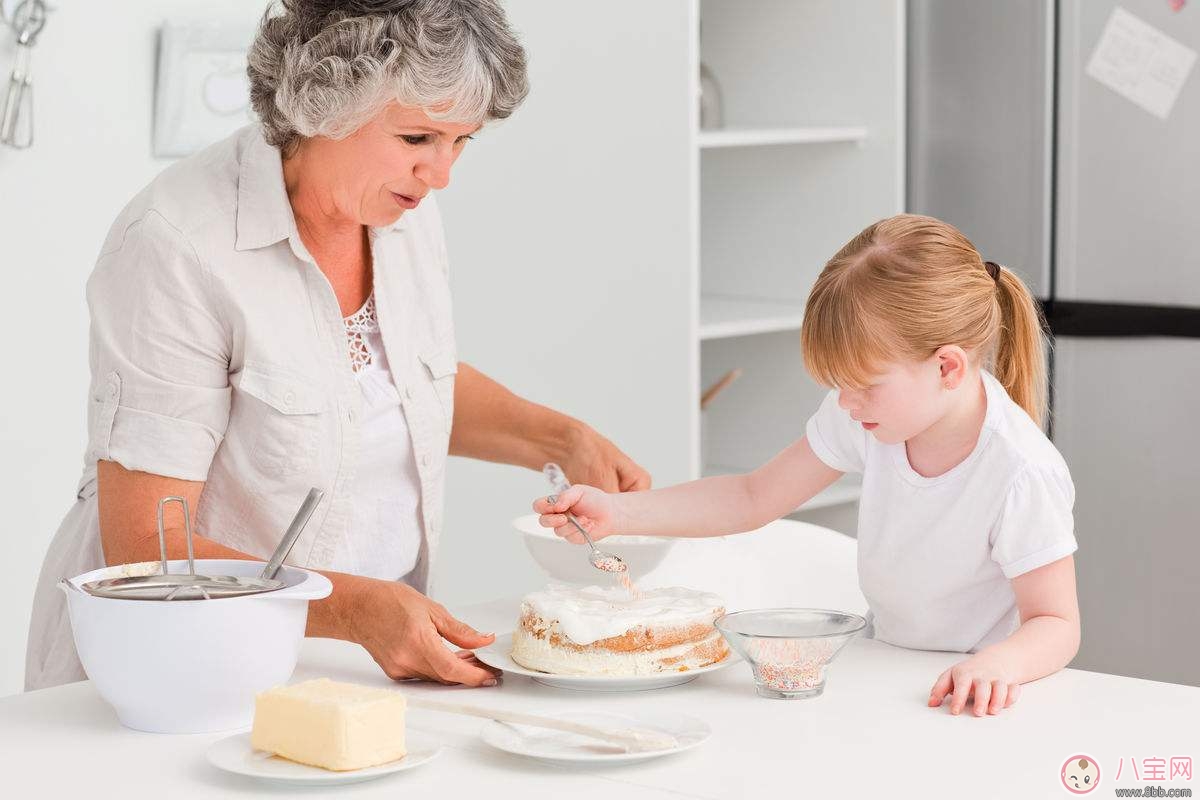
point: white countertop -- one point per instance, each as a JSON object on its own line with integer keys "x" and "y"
{"x": 870, "y": 734}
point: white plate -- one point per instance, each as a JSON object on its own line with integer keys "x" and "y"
{"x": 234, "y": 754}
{"x": 559, "y": 747}
{"x": 497, "y": 655}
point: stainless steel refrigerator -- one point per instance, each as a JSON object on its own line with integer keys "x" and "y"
{"x": 1032, "y": 129}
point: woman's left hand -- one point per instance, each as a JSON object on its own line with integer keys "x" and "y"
{"x": 593, "y": 460}
{"x": 493, "y": 424}
{"x": 983, "y": 676}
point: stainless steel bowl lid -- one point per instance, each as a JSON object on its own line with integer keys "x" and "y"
{"x": 180, "y": 587}
{"x": 189, "y": 586}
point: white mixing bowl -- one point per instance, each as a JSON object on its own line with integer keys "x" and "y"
{"x": 191, "y": 666}
{"x": 568, "y": 562}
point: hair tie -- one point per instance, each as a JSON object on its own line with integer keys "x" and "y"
{"x": 993, "y": 269}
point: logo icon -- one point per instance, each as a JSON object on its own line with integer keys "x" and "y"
{"x": 1080, "y": 774}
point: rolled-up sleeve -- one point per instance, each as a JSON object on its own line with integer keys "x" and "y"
{"x": 159, "y": 353}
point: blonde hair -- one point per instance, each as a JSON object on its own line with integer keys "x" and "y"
{"x": 908, "y": 285}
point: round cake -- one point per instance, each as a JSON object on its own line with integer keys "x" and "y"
{"x": 567, "y": 630}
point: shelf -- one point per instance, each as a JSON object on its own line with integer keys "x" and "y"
{"x": 724, "y": 317}
{"x": 846, "y": 489}
{"x": 764, "y": 137}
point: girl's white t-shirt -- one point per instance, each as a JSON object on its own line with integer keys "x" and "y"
{"x": 936, "y": 555}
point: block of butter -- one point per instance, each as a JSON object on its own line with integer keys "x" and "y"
{"x": 337, "y": 726}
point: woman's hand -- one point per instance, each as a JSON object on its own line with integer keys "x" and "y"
{"x": 984, "y": 676}
{"x": 594, "y": 509}
{"x": 592, "y": 460}
{"x": 403, "y": 629}
{"x": 493, "y": 424}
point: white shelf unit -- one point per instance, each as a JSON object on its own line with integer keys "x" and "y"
{"x": 812, "y": 151}
{"x": 724, "y": 317}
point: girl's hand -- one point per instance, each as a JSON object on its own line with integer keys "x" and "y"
{"x": 593, "y": 509}
{"x": 983, "y": 676}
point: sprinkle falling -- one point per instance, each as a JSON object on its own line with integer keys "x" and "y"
{"x": 630, "y": 587}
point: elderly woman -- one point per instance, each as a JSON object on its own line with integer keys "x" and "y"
{"x": 273, "y": 314}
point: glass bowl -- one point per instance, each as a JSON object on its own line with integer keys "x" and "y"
{"x": 789, "y": 649}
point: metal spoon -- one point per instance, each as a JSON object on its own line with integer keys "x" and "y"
{"x": 605, "y": 562}
{"x": 293, "y": 533}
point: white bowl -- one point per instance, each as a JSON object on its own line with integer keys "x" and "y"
{"x": 569, "y": 563}
{"x": 191, "y": 666}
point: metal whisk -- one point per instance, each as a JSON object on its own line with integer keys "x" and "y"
{"x": 16, "y": 115}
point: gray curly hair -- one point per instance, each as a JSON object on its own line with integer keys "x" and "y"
{"x": 325, "y": 67}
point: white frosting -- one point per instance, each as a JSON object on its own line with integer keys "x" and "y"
{"x": 587, "y": 615}
{"x": 534, "y": 653}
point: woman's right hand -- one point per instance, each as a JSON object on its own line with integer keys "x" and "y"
{"x": 595, "y": 511}
{"x": 403, "y": 629}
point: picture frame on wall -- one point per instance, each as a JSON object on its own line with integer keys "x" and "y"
{"x": 202, "y": 93}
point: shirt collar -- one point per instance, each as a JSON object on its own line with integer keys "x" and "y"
{"x": 264, "y": 213}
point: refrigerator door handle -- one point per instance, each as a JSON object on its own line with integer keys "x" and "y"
{"x": 1081, "y": 318}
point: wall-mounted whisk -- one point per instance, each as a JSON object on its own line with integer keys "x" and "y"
{"x": 16, "y": 113}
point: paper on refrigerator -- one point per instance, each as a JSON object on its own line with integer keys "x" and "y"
{"x": 1141, "y": 63}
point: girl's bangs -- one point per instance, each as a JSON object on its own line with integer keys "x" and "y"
{"x": 841, "y": 350}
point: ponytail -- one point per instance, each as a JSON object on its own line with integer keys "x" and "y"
{"x": 1020, "y": 361}
{"x": 910, "y": 284}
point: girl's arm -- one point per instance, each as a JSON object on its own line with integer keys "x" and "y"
{"x": 707, "y": 507}
{"x": 1045, "y": 643}
{"x": 1049, "y": 634}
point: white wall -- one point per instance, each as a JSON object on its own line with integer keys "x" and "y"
{"x": 572, "y": 215}
{"x": 93, "y": 68}
{"x": 568, "y": 236}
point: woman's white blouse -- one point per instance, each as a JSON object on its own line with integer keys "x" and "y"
{"x": 385, "y": 536}
{"x": 218, "y": 353}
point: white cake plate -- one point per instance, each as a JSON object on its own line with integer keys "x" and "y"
{"x": 497, "y": 655}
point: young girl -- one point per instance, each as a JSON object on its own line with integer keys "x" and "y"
{"x": 965, "y": 533}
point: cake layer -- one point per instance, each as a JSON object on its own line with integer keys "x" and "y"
{"x": 544, "y": 655}
{"x": 641, "y": 637}
{"x": 337, "y": 726}
{"x": 568, "y": 630}
{"x": 592, "y": 614}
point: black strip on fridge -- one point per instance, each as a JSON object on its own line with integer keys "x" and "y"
{"x": 1076, "y": 318}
